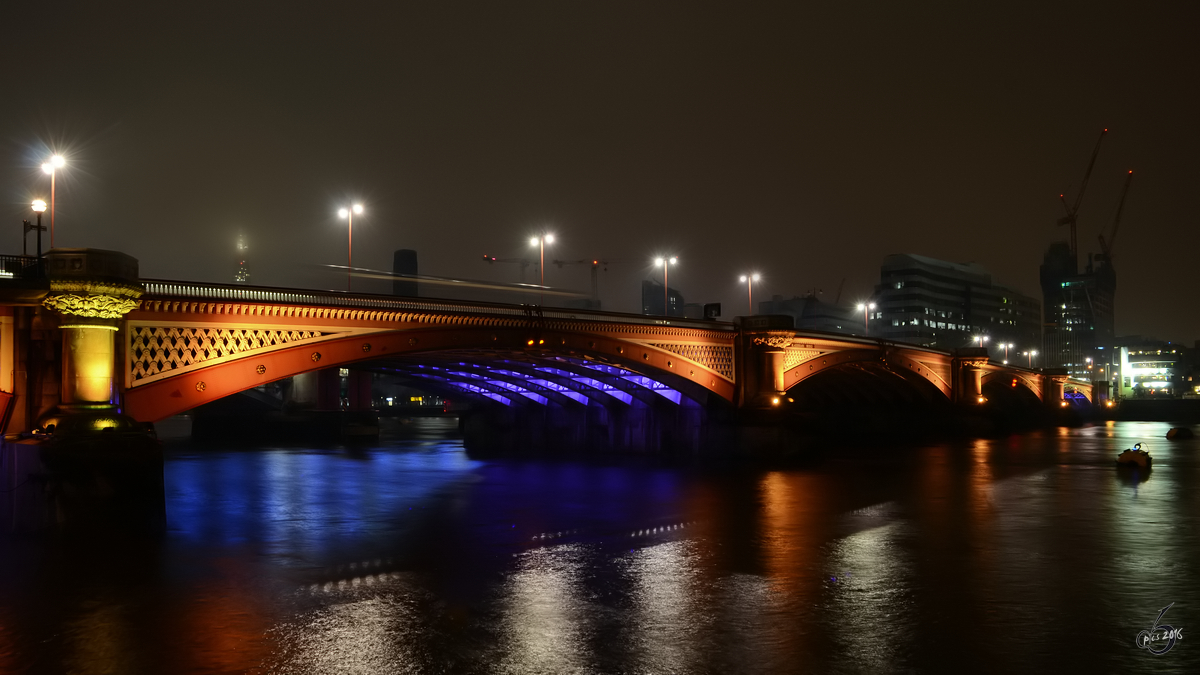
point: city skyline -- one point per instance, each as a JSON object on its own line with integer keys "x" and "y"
{"x": 803, "y": 143}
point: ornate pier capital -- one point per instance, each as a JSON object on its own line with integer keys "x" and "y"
{"x": 92, "y": 284}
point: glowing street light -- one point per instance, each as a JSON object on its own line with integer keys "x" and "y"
{"x": 750, "y": 280}
{"x": 540, "y": 242}
{"x": 39, "y": 206}
{"x": 56, "y": 162}
{"x": 1032, "y": 353}
{"x": 666, "y": 263}
{"x": 348, "y": 213}
{"x": 981, "y": 339}
{"x": 866, "y": 307}
{"x": 1006, "y": 346}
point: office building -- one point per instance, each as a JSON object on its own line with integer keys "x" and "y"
{"x": 948, "y": 305}
{"x": 1078, "y": 309}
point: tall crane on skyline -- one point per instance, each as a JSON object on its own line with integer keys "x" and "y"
{"x": 596, "y": 264}
{"x": 1107, "y": 245}
{"x": 1072, "y": 216}
{"x": 523, "y": 262}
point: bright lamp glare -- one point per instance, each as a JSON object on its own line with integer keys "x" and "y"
{"x": 39, "y": 205}
{"x": 58, "y": 161}
{"x": 742, "y": 278}
{"x": 755, "y": 277}
{"x": 342, "y": 213}
{"x": 533, "y": 241}
{"x": 358, "y": 208}
{"x": 658, "y": 262}
{"x": 674, "y": 260}
{"x": 48, "y": 167}
{"x": 549, "y": 239}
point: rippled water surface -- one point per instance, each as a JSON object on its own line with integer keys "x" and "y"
{"x": 1025, "y": 554}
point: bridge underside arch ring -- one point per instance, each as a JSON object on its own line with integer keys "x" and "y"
{"x": 922, "y": 371}
{"x": 172, "y": 395}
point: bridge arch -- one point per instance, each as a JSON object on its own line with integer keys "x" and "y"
{"x": 503, "y": 365}
{"x": 924, "y": 373}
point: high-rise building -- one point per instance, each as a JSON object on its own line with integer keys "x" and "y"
{"x": 949, "y": 305}
{"x": 1078, "y": 310}
{"x": 653, "y": 299}
{"x": 241, "y": 274}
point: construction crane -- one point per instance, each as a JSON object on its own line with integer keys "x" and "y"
{"x": 596, "y": 264}
{"x": 1072, "y": 216}
{"x": 523, "y": 262}
{"x": 1107, "y": 245}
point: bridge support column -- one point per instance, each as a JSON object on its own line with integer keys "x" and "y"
{"x": 99, "y": 467}
{"x": 969, "y": 366}
{"x": 763, "y": 359}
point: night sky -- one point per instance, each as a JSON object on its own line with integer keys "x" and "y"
{"x": 805, "y": 141}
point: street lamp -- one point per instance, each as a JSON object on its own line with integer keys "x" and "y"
{"x": 541, "y": 242}
{"x": 866, "y": 307}
{"x": 750, "y": 280}
{"x": 1031, "y": 354}
{"x": 38, "y": 206}
{"x": 1007, "y": 346}
{"x": 666, "y": 263}
{"x": 348, "y": 213}
{"x": 56, "y": 162}
{"x": 981, "y": 339}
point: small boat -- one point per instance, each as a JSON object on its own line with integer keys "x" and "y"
{"x": 1134, "y": 456}
{"x": 1180, "y": 433}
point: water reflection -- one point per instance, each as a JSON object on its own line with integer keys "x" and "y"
{"x": 371, "y": 624}
{"x": 1030, "y": 553}
{"x": 667, "y": 627}
{"x": 545, "y": 616}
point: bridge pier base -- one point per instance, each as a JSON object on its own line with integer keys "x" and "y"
{"x": 91, "y": 466}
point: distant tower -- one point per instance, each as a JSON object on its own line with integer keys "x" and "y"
{"x": 404, "y": 266}
{"x": 242, "y": 275}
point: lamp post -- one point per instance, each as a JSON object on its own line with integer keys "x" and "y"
{"x": 56, "y": 162}
{"x": 981, "y": 339}
{"x": 750, "y": 280}
{"x": 1032, "y": 353}
{"x": 866, "y": 307}
{"x": 39, "y": 206}
{"x": 666, "y": 263}
{"x": 540, "y": 242}
{"x": 348, "y": 213}
{"x": 1007, "y": 346}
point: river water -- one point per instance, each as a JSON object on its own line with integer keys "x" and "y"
{"x": 1029, "y": 553}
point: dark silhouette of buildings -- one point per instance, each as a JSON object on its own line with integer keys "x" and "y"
{"x": 404, "y": 266}
{"x": 812, "y": 313}
{"x": 949, "y": 305}
{"x": 652, "y": 300}
{"x": 1078, "y": 310}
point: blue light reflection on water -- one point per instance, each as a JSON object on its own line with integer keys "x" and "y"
{"x": 1020, "y": 554}
{"x": 278, "y": 494}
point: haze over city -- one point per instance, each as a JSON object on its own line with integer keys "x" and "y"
{"x": 803, "y": 142}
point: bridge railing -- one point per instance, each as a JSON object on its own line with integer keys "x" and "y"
{"x": 156, "y": 288}
{"x": 21, "y": 267}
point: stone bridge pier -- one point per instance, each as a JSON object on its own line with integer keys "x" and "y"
{"x": 84, "y": 464}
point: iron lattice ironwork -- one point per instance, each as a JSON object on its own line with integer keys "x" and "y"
{"x": 795, "y": 356}
{"x": 156, "y": 350}
{"x": 717, "y": 358}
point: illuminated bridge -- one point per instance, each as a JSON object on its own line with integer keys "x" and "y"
{"x": 156, "y": 348}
